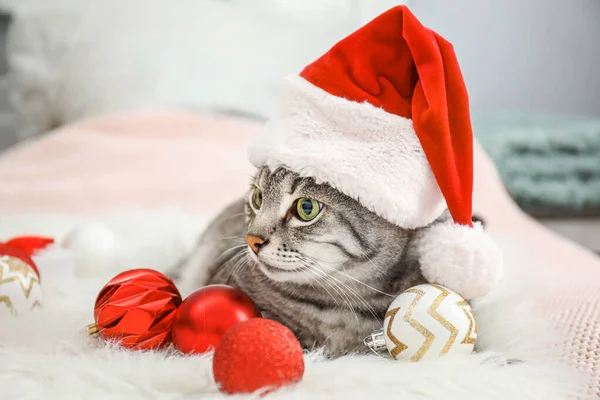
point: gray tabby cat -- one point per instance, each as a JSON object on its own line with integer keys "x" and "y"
{"x": 310, "y": 257}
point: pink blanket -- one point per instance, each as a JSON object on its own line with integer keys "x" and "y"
{"x": 149, "y": 159}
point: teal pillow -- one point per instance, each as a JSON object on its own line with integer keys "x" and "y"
{"x": 550, "y": 164}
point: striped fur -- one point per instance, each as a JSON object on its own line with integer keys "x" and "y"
{"x": 329, "y": 281}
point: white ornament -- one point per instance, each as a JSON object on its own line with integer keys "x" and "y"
{"x": 429, "y": 321}
{"x": 20, "y": 289}
{"x": 94, "y": 247}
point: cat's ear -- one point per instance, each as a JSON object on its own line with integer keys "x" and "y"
{"x": 464, "y": 259}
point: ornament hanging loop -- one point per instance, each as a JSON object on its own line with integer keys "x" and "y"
{"x": 92, "y": 330}
{"x": 375, "y": 341}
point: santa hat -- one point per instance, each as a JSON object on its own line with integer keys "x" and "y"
{"x": 383, "y": 117}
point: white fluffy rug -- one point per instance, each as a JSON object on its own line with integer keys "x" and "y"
{"x": 46, "y": 354}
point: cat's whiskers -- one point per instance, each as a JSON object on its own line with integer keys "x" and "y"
{"x": 242, "y": 260}
{"x": 351, "y": 303}
{"x": 347, "y": 298}
{"x": 377, "y": 267}
{"x": 358, "y": 296}
{"x": 243, "y": 263}
{"x": 241, "y": 238}
{"x": 233, "y": 261}
{"x": 321, "y": 274}
{"x": 339, "y": 290}
{"x": 339, "y": 287}
{"x": 351, "y": 282}
{"x": 310, "y": 270}
{"x": 233, "y": 216}
{"x": 303, "y": 271}
{"x": 218, "y": 259}
{"x": 345, "y": 273}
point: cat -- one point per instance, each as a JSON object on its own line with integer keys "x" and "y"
{"x": 310, "y": 257}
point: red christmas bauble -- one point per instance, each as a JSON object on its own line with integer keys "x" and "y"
{"x": 205, "y": 316}
{"x": 136, "y": 308}
{"x": 259, "y": 353}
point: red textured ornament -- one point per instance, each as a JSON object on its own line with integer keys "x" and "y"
{"x": 136, "y": 308}
{"x": 205, "y": 316}
{"x": 255, "y": 354}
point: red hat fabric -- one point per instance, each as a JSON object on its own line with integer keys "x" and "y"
{"x": 411, "y": 71}
{"x": 383, "y": 117}
{"x": 30, "y": 244}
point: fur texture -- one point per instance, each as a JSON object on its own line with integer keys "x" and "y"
{"x": 46, "y": 354}
{"x": 459, "y": 257}
{"x": 322, "y": 136}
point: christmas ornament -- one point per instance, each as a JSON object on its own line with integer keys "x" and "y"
{"x": 258, "y": 353}
{"x": 426, "y": 322}
{"x": 52, "y": 260}
{"x": 13, "y": 249}
{"x": 20, "y": 289}
{"x": 207, "y": 314}
{"x": 94, "y": 247}
{"x": 136, "y": 308}
{"x": 392, "y": 114}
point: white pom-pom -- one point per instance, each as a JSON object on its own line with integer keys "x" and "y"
{"x": 95, "y": 248}
{"x": 461, "y": 258}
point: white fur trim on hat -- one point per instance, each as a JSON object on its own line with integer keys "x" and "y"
{"x": 461, "y": 258}
{"x": 363, "y": 151}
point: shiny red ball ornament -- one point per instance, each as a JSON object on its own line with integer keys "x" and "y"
{"x": 205, "y": 316}
{"x": 136, "y": 308}
{"x": 256, "y": 354}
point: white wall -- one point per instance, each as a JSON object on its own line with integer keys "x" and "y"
{"x": 540, "y": 55}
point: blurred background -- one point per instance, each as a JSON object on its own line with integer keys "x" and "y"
{"x": 156, "y": 99}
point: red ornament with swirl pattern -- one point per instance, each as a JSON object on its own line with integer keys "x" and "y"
{"x": 136, "y": 308}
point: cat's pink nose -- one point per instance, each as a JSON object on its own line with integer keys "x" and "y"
{"x": 254, "y": 242}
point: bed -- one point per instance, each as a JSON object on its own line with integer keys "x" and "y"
{"x": 154, "y": 172}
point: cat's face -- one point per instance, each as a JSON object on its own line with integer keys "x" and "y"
{"x": 300, "y": 231}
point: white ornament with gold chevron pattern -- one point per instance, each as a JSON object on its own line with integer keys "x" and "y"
{"x": 429, "y": 321}
{"x": 20, "y": 289}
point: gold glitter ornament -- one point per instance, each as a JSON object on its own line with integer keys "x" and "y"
{"x": 426, "y": 322}
{"x": 20, "y": 289}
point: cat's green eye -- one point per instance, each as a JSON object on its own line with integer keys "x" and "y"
{"x": 256, "y": 198}
{"x": 307, "y": 209}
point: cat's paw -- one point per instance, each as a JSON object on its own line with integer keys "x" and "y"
{"x": 462, "y": 258}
